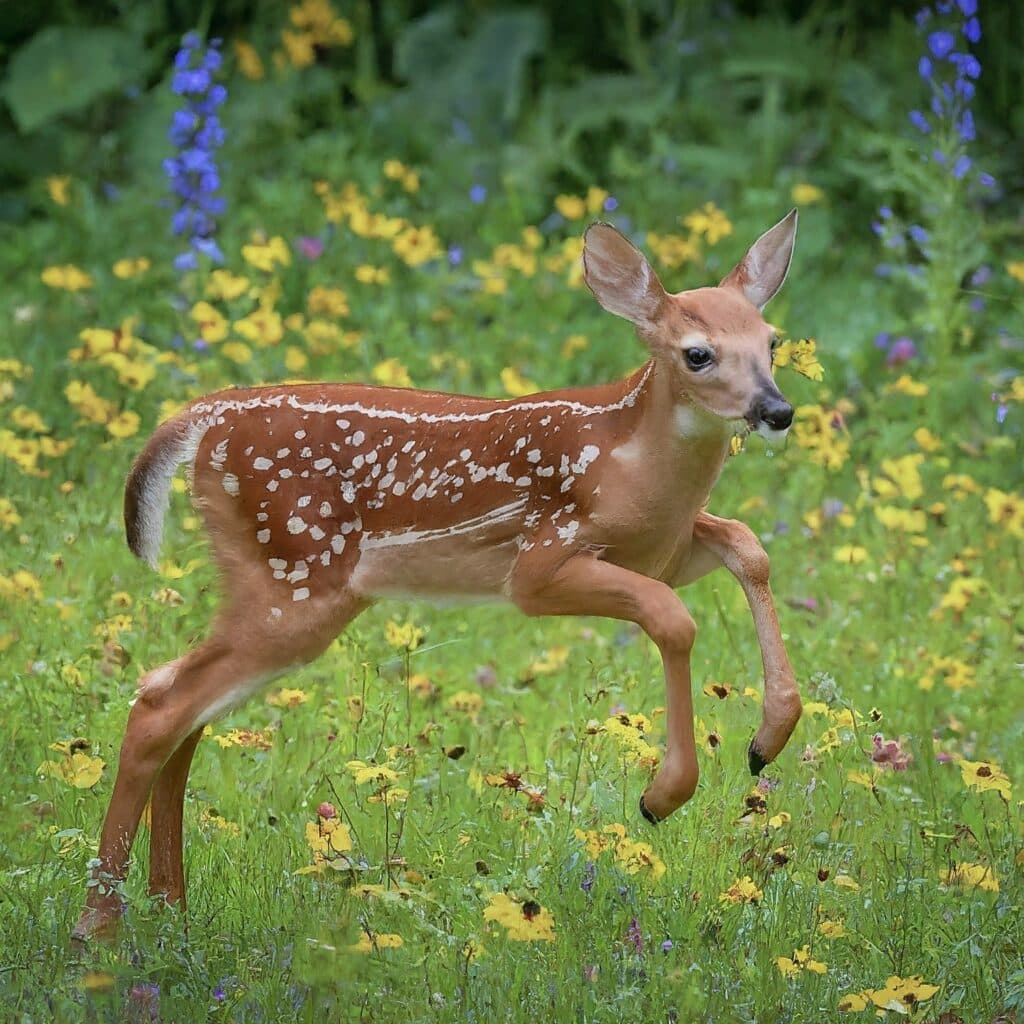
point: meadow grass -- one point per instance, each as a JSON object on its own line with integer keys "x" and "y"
{"x": 855, "y": 874}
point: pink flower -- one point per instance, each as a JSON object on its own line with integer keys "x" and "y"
{"x": 890, "y": 752}
{"x": 326, "y": 811}
{"x": 310, "y": 246}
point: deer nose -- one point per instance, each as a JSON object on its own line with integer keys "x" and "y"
{"x": 775, "y": 411}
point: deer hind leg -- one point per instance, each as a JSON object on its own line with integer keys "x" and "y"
{"x": 175, "y": 701}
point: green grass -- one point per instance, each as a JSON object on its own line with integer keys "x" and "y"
{"x": 268, "y": 943}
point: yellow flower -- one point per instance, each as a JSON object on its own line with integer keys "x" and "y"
{"x": 595, "y": 199}
{"x": 467, "y": 702}
{"x": 906, "y": 385}
{"x": 212, "y": 324}
{"x": 69, "y": 277}
{"x": 9, "y": 517}
{"x": 636, "y": 857}
{"x": 411, "y": 181}
{"x": 953, "y": 672}
{"x": 909, "y": 520}
{"x": 743, "y": 890}
{"x": 1016, "y": 270}
{"x": 324, "y": 301}
{"x": 328, "y": 835}
{"x": 899, "y": 994}
{"x": 1005, "y": 509}
{"x": 850, "y": 554}
{"x": 255, "y": 739}
{"x": 800, "y": 961}
{"x": 237, "y": 352}
{"x": 77, "y": 768}
{"x": 222, "y": 284}
{"x": 524, "y": 922}
{"x": 295, "y": 360}
{"x": 805, "y": 195}
{"x": 263, "y": 327}
{"x": 416, "y": 246}
{"x": 573, "y": 344}
{"x": 672, "y": 250}
{"x": 300, "y": 47}
{"x": 982, "y": 776}
{"x": 570, "y": 207}
{"x": 267, "y": 255}
{"x": 124, "y": 424}
{"x": 391, "y": 373}
{"x": 629, "y": 732}
{"x": 371, "y": 943}
{"x": 405, "y": 635}
{"x": 287, "y": 698}
{"x": 927, "y": 440}
{"x": 973, "y": 876}
{"x": 710, "y": 222}
{"x": 366, "y": 273}
{"x": 904, "y": 479}
{"x": 362, "y": 772}
{"x": 318, "y": 18}
{"x": 22, "y": 584}
{"x": 961, "y": 592}
{"x": 515, "y": 384}
{"x": 249, "y": 62}
{"x": 550, "y": 661}
{"x": 128, "y": 268}
{"x": 28, "y": 419}
{"x": 832, "y": 929}
{"x": 801, "y": 356}
{"x": 59, "y": 187}
{"x": 820, "y": 431}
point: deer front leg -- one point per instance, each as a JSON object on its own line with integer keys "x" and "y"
{"x": 734, "y": 545}
{"x": 585, "y": 585}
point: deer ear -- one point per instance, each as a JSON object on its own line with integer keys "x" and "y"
{"x": 759, "y": 275}
{"x": 620, "y": 277}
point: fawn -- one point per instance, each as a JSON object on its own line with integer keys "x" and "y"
{"x": 321, "y": 498}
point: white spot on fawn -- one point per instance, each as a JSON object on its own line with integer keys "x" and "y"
{"x": 301, "y": 594}
{"x": 297, "y": 524}
{"x": 230, "y": 484}
{"x": 262, "y": 463}
{"x": 263, "y": 536}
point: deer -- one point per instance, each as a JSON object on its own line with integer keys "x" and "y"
{"x": 321, "y": 499}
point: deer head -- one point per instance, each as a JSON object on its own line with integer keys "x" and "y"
{"x": 714, "y": 343}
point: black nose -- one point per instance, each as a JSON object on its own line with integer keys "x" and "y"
{"x": 775, "y": 411}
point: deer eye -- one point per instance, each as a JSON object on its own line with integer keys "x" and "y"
{"x": 697, "y": 358}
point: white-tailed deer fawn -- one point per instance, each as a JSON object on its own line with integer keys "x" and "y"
{"x": 321, "y": 498}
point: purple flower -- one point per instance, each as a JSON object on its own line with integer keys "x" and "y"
{"x": 986, "y": 180}
{"x": 961, "y": 166}
{"x": 981, "y": 276}
{"x": 901, "y": 351}
{"x": 972, "y": 30}
{"x": 454, "y": 255}
{"x": 635, "y": 936}
{"x": 922, "y": 16}
{"x": 924, "y": 67}
{"x": 938, "y": 156}
{"x": 941, "y": 43}
{"x": 885, "y": 212}
{"x": 589, "y": 874}
{"x": 610, "y": 203}
{"x": 971, "y": 66}
{"x": 919, "y": 121}
{"x": 882, "y": 339}
{"x": 477, "y": 194}
{"x": 1001, "y": 411}
{"x": 310, "y": 247}
{"x": 968, "y": 8}
{"x": 219, "y": 994}
{"x": 918, "y": 234}
{"x": 667, "y": 945}
{"x": 965, "y": 127}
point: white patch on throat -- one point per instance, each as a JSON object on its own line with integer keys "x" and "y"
{"x": 773, "y": 437}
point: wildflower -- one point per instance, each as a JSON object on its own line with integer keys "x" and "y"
{"x": 196, "y": 133}
{"x": 310, "y": 247}
{"x": 222, "y": 284}
{"x": 76, "y": 768}
{"x": 1005, "y": 509}
{"x": 832, "y": 929}
{"x": 805, "y": 195}
{"x": 371, "y": 942}
{"x": 821, "y": 432}
{"x": 890, "y": 753}
{"x": 363, "y": 772}
{"x": 266, "y": 255}
{"x": 972, "y": 876}
{"x": 901, "y": 351}
{"x": 515, "y": 384}
{"x": 59, "y": 187}
{"x": 743, "y": 890}
{"x": 550, "y": 661}
{"x": 952, "y": 672}
{"x": 982, "y": 776}
{"x": 636, "y": 857}
{"x": 405, "y": 636}
{"x": 801, "y": 356}
{"x": 254, "y": 739}
{"x": 416, "y": 246}
{"x": 672, "y": 250}
{"x": 69, "y": 277}
{"x": 367, "y": 274}
{"x": 248, "y": 59}
{"x": 287, "y": 698}
{"x": 906, "y": 385}
{"x": 629, "y": 732}
{"x": 325, "y": 301}
{"x": 710, "y": 222}
{"x": 960, "y": 594}
{"x": 128, "y": 268}
{"x": 901, "y": 995}
{"x": 571, "y": 207}
{"x": 391, "y": 373}
{"x": 573, "y": 344}
{"x": 9, "y": 517}
{"x": 801, "y": 960}
{"x": 524, "y": 922}
{"x": 850, "y": 554}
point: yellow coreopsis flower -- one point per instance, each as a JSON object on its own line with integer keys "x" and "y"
{"x": 850, "y": 554}
{"x": 523, "y": 922}
{"x": 1005, "y": 509}
{"x": 128, "y": 268}
{"x": 263, "y": 327}
{"x": 287, "y": 698}
{"x": 391, "y": 373}
{"x": 710, "y": 222}
{"x": 69, "y": 277}
{"x": 59, "y": 187}
{"x": 804, "y": 194}
{"x": 224, "y": 285}
{"x": 363, "y": 772}
{"x": 906, "y": 385}
{"x": 743, "y": 890}
{"x": 801, "y": 960}
{"x": 1015, "y": 268}
{"x": 267, "y": 255}
{"x": 212, "y": 323}
{"x": 404, "y": 635}
{"x": 124, "y": 424}
{"x": 249, "y": 62}
{"x": 570, "y": 207}
{"x": 417, "y": 245}
{"x": 801, "y": 356}
{"x": 325, "y": 301}
{"x": 515, "y": 384}
{"x": 982, "y": 776}
{"x": 77, "y": 768}
{"x": 971, "y": 876}
{"x": 9, "y": 517}
{"x": 366, "y": 273}
{"x": 371, "y": 943}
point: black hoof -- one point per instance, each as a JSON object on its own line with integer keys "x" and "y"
{"x": 648, "y": 814}
{"x": 755, "y": 760}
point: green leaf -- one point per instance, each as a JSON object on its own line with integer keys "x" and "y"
{"x": 63, "y": 69}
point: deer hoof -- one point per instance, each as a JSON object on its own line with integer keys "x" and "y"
{"x": 648, "y": 815}
{"x": 756, "y": 760}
